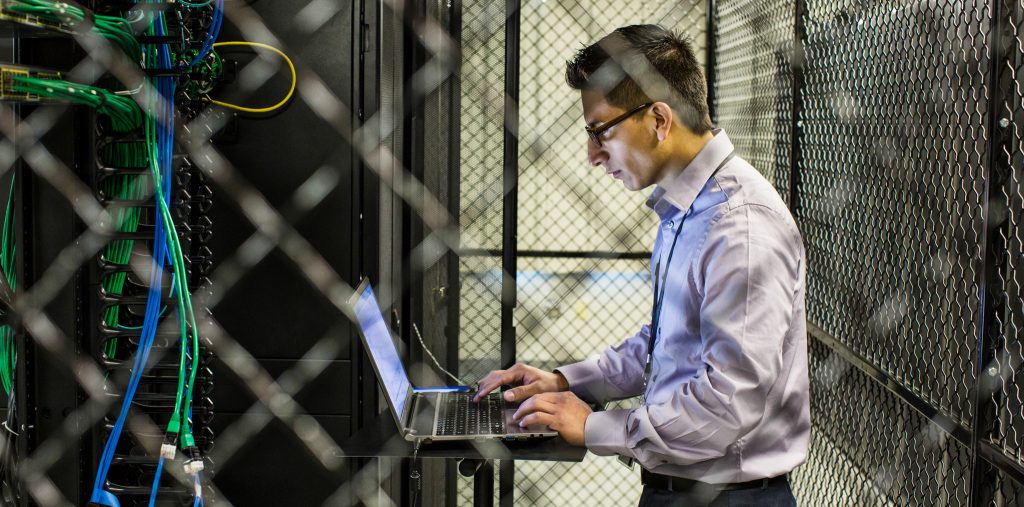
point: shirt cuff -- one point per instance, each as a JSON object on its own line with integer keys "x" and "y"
{"x": 605, "y": 432}
{"x": 583, "y": 377}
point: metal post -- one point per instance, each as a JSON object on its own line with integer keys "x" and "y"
{"x": 23, "y": 236}
{"x": 710, "y": 61}
{"x": 452, "y": 292}
{"x": 452, "y": 296}
{"x": 797, "y": 59}
{"x": 506, "y": 488}
{"x": 985, "y": 407}
{"x": 483, "y": 485}
{"x": 510, "y": 181}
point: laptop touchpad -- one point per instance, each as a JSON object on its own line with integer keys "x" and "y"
{"x": 512, "y": 427}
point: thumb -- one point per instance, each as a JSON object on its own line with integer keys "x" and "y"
{"x": 521, "y": 393}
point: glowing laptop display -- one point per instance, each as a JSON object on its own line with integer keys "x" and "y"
{"x": 382, "y": 350}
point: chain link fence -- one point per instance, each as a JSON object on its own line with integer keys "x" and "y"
{"x": 902, "y": 183}
{"x": 1007, "y": 393}
{"x": 871, "y": 448}
{"x": 892, "y": 129}
{"x": 569, "y": 305}
{"x": 90, "y": 237}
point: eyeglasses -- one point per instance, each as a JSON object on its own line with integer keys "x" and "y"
{"x": 595, "y": 132}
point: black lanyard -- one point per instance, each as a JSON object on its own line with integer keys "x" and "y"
{"x": 660, "y": 287}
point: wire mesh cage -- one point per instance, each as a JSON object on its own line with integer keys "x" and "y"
{"x": 194, "y": 189}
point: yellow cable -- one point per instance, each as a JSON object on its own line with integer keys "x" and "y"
{"x": 274, "y": 107}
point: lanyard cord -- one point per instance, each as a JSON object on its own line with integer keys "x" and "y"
{"x": 659, "y": 292}
{"x": 659, "y": 289}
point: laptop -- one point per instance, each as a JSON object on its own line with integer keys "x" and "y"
{"x": 427, "y": 414}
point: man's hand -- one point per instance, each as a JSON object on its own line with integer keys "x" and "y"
{"x": 533, "y": 380}
{"x": 563, "y": 412}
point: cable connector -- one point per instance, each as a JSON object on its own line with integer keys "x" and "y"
{"x": 170, "y": 446}
{"x": 167, "y": 451}
{"x": 194, "y": 464}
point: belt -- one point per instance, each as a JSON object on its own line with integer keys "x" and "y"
{"x": 672, "y": 483}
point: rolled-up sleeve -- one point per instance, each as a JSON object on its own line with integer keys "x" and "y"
{"x": 617, "y": 373}
{"x": 746, "y": 276}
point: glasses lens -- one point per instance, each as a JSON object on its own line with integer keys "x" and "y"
{"x": 593, "y": 137}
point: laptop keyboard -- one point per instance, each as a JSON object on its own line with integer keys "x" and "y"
{"x": 459, "y": 415}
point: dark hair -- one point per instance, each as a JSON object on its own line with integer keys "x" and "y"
{"x": 644, "y": 63}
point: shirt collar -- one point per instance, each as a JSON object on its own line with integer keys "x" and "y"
{"x": 680, "y": 192}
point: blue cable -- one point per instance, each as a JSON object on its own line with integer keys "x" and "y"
{"x": 150, "y": 321}
{"x": 212, "y": 34}
{"x": 153, "y": 301}
{"x": 99, "y": 495}
{"x": 197, "y": 482}
{"x": 165, "y": 86}
{"x": 156, "y": 482}
{"x": 165, "y": 146}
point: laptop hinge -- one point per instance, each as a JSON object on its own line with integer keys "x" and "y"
{"x": 410, "y": 410}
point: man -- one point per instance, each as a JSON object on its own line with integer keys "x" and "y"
{"x": 725, "y": 415}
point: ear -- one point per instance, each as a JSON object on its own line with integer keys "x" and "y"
{"x": 663, "y": 118}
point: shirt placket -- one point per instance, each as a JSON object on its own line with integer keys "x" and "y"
{"x": 668, "y": 230}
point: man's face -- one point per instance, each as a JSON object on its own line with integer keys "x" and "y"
{"x": 628, "y": 150}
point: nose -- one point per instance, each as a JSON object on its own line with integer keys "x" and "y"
{"x": 595, "y": 154}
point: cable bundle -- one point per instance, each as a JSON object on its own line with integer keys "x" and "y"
{"x": 123, "y": 112}
{"x": 9, "y": 482}
{"x": 112, "y": 28}
{"x": 159, "y": 136}
{"x": 8, "y": 352}
{"x": 136, "y": 161}
{"x": 117, "y": 254}
{"x": 153, "y": 153}
{"x": 213, "y": 33}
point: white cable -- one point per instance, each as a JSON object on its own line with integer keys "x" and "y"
{"x": 425, "y": 349}
{"x": 8, "y": 428}
{"x": 133, "y": 91}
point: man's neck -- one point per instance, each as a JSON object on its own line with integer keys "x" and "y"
{"x": 686, "y": 150}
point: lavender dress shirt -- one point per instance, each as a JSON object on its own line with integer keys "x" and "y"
{"x": 728, "y": 396}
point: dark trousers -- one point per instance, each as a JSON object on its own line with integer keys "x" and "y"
{"x": 775, "y": 495}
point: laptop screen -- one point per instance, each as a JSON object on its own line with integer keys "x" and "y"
{"x": 382, "y": 350}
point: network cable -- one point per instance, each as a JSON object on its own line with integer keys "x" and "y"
{"x": 123, "y": 113}
{"x": 8, "y": 350}
{"x": 155, "y": 151}
{"x": 212, "y": 34}
{"x": 258, "y": 110}
{"x": 99, "y": 494}
{"x": 112, "y": 28}
{"x": 9, "y": 482}
{"x": 159, "y": 136}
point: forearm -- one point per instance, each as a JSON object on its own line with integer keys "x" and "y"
{"x": 700, "y": 422}
{"x": 617, "y": 373}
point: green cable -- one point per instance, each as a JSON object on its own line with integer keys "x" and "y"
{"x": 8, "y": 345}
{"x": 124, "y": 187}
{"x": 178, "y": 423}
{"x": 124, "y": 114}
{"x": 112, "y": 28}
